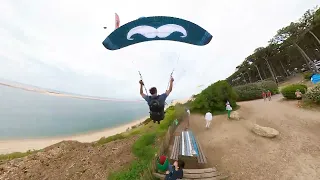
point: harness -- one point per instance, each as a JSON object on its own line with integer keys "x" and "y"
{"x": 156, "y": 108}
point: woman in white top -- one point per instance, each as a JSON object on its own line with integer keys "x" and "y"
{"x": 228, "y": 108}
{"x": 208, "y": 118}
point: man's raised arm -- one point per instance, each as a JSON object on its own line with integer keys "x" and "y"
{"x": 141, "y": 89}
{"x": 170, "y": 86}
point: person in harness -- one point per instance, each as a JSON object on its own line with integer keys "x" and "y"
{"x": 156, "y": 102}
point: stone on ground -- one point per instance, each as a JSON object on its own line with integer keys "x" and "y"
{"x": 265, "y": 131}
{"x": 235, "y": 115}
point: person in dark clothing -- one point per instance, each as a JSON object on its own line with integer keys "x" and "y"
{"x": 175, "y": 171}
{"x": 156, "y": 102}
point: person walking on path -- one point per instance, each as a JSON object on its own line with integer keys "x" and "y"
{"x": 299, "y": 97}
{"x": 269, "y": 95}
{"x": 188, "y": 118}
{"x": 264, "y": 95}
{"x": 208, "y": 117}
{"x": 229, "y": 109}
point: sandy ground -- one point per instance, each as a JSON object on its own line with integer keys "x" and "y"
{"x": 71, "y": 160}
{"x": 234, "y": 149}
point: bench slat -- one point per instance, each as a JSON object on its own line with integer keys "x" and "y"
{"x": 200, "y": 176}
{"x": 174, "y": 149}
{"x": 199, "y": 171}
{"x": 213, "y": 178}
{"x": 201, "y": 158}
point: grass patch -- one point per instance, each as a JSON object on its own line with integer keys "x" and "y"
{"x": 105, "y": 140}
{"x": 14, "y": 155}
{"x": 145, "y": 148}
{"x": 310, "y": 105}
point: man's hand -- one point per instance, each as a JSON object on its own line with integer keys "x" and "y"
{"x": 167, "y": 172}
{"x": 171, "y": 79}
{"x": 141, "y": 82}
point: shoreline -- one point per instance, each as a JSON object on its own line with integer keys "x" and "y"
{"x": 23, "y": 145}
{"x": 57, "y": 94}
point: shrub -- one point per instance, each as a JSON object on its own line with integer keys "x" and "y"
{"x": 269, "y": 85}
{"x": 249, "y": 92}
{"x": 314, "y": 94}
{"x": 289, "y": 91}
{"x": 307, "y": 75}
{"x": 214, "y": 98}
{"x": 253, "y": 91}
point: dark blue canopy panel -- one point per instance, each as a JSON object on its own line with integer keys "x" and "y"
{"x": 157, "y": 28}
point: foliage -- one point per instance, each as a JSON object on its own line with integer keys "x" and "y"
{"x": 145, "y": 147}
{"x": 142, "y": 148}
{"x": 10, "y": 156}
{"x": 214, "y": 98}
{"x": 314, "y": 94}
{"x": 269, "y": 85}
{"x": 254, "y": 90}
{"x": 292, "y": 46}
{"x": 307, "y": 75}
{"x": 289, "y": 91}
{"x": 105, "y": 140}
{"x": 248, "y": 92}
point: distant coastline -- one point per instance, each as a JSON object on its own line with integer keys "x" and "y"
{"x": 52, "y": 93}
{"x": 20, "y": 145}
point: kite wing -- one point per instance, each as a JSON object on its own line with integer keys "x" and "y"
{"x": 157, "y": 28}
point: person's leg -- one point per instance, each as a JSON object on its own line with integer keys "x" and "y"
{"x": 207, "y": 123}
{"x": 229, "y": 112}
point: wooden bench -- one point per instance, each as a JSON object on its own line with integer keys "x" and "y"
{"x": 201, "y": 157}
{"x": 176, "y": 148}
{"x": 205, "y": 174}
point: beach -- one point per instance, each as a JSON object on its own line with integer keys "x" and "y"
{"x": 22, "y": 145}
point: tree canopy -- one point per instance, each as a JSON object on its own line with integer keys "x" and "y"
{"x": 293, "y": 46}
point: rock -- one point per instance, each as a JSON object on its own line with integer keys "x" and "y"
{"x": 265, "y": 131}
{"x": 235, "y": 115}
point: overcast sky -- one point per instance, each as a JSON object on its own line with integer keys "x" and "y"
{"x": 58, "y": 44}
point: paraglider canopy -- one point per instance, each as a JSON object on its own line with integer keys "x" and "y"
{"x": 157, "y": 28}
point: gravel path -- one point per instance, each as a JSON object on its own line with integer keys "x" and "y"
{"x": 234, "y": 149}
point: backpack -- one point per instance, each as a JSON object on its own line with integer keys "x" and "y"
{"x": 156, "y": 109}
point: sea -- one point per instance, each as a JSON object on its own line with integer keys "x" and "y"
{"x": 27, "y": 114}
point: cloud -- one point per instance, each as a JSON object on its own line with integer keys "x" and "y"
{"x": 58, "y": 44}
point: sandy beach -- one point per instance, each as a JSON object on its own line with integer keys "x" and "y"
{"x": 22, "y": 145}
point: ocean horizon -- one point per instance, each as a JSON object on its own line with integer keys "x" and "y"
{"x": 27, "y": 114}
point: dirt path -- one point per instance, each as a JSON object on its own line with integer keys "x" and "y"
{"x": 234, "y": 149}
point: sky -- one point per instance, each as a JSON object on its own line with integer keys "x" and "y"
{"x": 58, "y": 44}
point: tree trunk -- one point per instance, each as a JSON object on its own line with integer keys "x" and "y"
{"x": 248, "y": 77}
{"x": 306, "y": 57}
{"x": 269, "y": 67}
{"x": 258, "y": 72}
{"x": 264, "y": 73}
{"x": 283, "y": 68}
{"x": 314, "y": 36}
